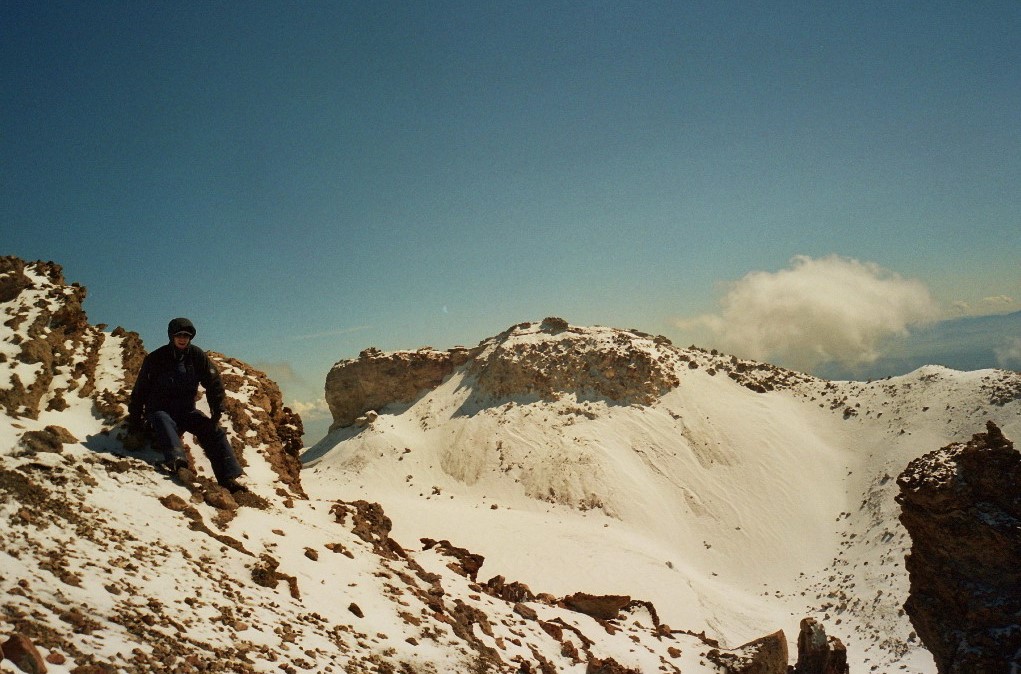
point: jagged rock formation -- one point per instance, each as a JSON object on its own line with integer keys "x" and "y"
{"x": 259, "y": 419}
{"x": 962, "y": 506}
{"x": 555, "y": 359}
{"x": 51, "y": 350}
{"x": 538, "y": 362}
{"x": 376, "y": 379}
{"x": 55, "y": 360}
{"x": 818, "y": 653}
{"x": 767, "y": 655}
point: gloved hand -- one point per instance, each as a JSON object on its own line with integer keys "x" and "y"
{"x": 134, "y": 439}
{"x": 136, "y": 426}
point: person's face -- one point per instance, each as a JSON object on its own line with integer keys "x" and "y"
{"x": 181, "y": 340}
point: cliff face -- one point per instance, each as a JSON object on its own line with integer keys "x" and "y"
{"x": 962, "y": 507}
{"x": 376, "y": 379}
{"x": 532, "y": 361}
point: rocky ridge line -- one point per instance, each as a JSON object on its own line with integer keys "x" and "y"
{"x": 534, "y": 362}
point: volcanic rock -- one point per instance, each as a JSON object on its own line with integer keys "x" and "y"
{"x": 817, "y": 653}
{"x": 767, "y": 655}
{"x": 539, "y": 361}
{"x": 604, "y": 607}
{"x": 553, "y": 359}
{"x": 20, "y": 650}
{"x": 376, "y": 379}
{"x": 962, "y": 507}
{"x": 260, "y": 420}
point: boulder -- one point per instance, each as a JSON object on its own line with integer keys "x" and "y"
{"x": 767, "y": 655}
{"x": 20, "y": 650}
{"x": 817, "y": 653}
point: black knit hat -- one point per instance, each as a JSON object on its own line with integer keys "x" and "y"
{"x": 180, "y": 325}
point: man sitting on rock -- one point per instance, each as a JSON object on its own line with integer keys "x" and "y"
{"x": 164, "y": 396}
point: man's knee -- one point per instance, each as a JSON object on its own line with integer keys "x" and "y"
{"x": 164, "y": 427}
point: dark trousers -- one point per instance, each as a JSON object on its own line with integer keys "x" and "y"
{"x": 211, "y": 438}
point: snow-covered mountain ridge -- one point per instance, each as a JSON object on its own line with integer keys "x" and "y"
{"x": 489, "y": 521}
{"x": 108, "y": 566}
{"x": 733, "y": 494}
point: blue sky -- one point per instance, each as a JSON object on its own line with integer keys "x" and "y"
{"x": 304, "y": 180}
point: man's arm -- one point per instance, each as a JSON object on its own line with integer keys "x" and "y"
{"x": 139, "y": 394}
{"x": 209, "y": 376}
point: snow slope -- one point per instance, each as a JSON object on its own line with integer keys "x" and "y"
{"x": 734, "y": 511}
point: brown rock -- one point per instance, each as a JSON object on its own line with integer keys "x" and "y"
{"x": 468, "y": 563}
{"x": 264, "y": 423}
{"x": 174, "y": 502}
{"x": 767, "y": 655}
{"x": 516, "y": 592}
{"x": 607, "y": 666}
{"x": 604, "y": 607}
{"x": 961, "y": 505}
{"x": 817, "y": 653}
{"x": 221, "y": 499}
{"x": 371, "y": 524}
{"x": 20, "y": 650}
{"x": 375, "y": 379}
{"x": 50, "y": 439}
{"x": 618, "y": 365}
{"x": 55, "y": 658}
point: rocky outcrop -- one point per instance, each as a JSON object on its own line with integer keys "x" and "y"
{"x": 376, "y": 379}
{"x": 817, "y": 653}
{"x": 52, "y": 351}
{"x": 260, "y": 420}
{"x": 20, "y": 650}
{"x": 541, "y": 361}
{"x": 767, "y": 655}
{"x": 49, "y": 335}
{"x": 551, "y": 359}
{"x": 962, "y": 507}
{"x": 54, "y": 359}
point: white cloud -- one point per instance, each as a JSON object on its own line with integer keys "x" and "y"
{"x": 309, "y": 410}
{"x": 1008, "y": 354}
{"x": 998, "y": 300}
{"x": 282, "y": 373}
{"x": 816, "y": 311}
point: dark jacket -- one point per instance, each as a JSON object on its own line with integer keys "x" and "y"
{"x": 169, "y": 381}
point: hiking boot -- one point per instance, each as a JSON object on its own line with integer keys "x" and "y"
{"x": 172, "y": 466}
{"x": 233, "y": 486}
